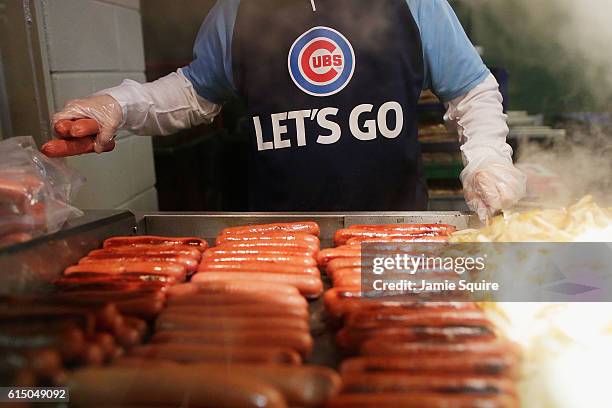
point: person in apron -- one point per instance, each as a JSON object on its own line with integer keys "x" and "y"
{"x": 332, "y": 88}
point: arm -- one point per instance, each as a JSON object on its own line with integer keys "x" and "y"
{"x": 456, "y": 73}
{"x": 490, "y": 180}
{"x": 161, "y": 107}
{"x": 191, "y": 96}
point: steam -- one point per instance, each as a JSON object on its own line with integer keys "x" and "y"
{"x": 579, "y": 165}
{"x": 587, "y": 36}
{"x": 570, "y": 40}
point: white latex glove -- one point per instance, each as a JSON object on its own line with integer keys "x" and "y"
{"x": 162, "y": 107}
{"x": 104, "y": 109}
{"x": 493, "y": 186}
{"x": 490, "y": 181}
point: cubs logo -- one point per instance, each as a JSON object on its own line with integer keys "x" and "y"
{"x": 321, "y": 61}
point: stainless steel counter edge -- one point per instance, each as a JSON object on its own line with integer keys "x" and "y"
{"x": 32, "y": 265}
{"x": 208, "y": 225}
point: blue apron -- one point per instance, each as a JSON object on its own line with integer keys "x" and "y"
{"x": 331, "y": 98}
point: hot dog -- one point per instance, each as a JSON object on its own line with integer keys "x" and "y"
{"x": 46, "y": 364}
{"x": 106, "y": 344}
{"x": 108, "y": 296}
{"x": 82, "y": 318}
{"x": 118, "y": 267}
{"x": 62, "y": 127}
{"x": 309, "y": 286}
{"x": 84, "y": 127}
{"x": 342, "y": 236}
{"x": 267, "y": 267}
{"x": 358, "y": 382}
{"x": 68, "y": 339}
{"x": 263, "y": 250}
{"x": 90, "y": 319}
{"x": 302, "y": 386}
{"x": 191, "y": 353}
{"x": 255, "y": 311}
{"x": 421, "y": 400}
{"x": 391, "y": 348}
{"x": 169, "y": 386}
{"x": 356, "y": 250}
{"x": 102, "y": 317}
{"x": 403, "y": 317}
{"x": 307, "y": 227}
{"x": 353, "y": 279}
{"x": 342, "y": 300}
{"x": 80, "y": 278}
{"x": 137, "y": 324}
{"x": 76, "y": 128}
{"x": 144, "y": 307}
{"x": 173, "y": 322}
{"x": 170, "y": 250}
{"x": 232, "y": 288}
{"x": 299, "y": 341}
{"x": 499, "y": 365}
{"x": 113, "y": 286}
{"x": 340, "y": 273}
{"x": 72, "y": 147}
{"x": 142, "y": 304}
{"x": 342, "y": 263}
{"x": 44, "y": 310}
{"x": 297, "y": 237}
{"x": 344, "y": 251}
{"x": 296, "y": 260}
{"x": 351, "y": 339}
{"x": 18, "y": 191}
{"x": 129, "y": 338}
{"x": 445, "y": 229}
{"x": 190, "y": 264}
{"x": 92, "y": 355}
{"x": 15, "y": 238}
{"x": 359, "y": 241}
{"x": 197, "y": 243}
{"x": 309, "y": 248}
{"x": 272, "y": 300}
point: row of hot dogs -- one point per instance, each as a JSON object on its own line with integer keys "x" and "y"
{"x": 282, "y": 253}
{"x": 265, "y": 272}
{"x": 242, "y": 324}
{"x": 75, "y": 137}
{"x": 22, "y": 207}
{"x": 343, "y": 263}
{"x": 95, "y": 312}
{"x": 236, "y": 334}
{"x": 405, "y": 352}
{"x": 34, "y": 192}
{"x": 237, "y": 338}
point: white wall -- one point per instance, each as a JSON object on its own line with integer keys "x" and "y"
{"x": 91, "y": 45}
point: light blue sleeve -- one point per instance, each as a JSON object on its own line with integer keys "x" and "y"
{"x": 452, "y": 65}
{"x": 211, "y": 70}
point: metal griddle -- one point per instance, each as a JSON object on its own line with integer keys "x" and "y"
{"x": 32, "y": 266}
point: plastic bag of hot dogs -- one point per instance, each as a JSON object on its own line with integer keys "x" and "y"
{"x": 35, "y": 191}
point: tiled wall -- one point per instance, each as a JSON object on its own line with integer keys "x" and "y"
{"x": 91, "y": 45}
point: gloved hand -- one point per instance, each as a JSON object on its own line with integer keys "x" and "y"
{"x": 102, "y": 108}
{"x": 491, "y": 186}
